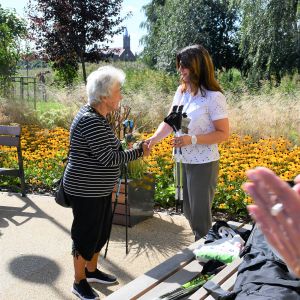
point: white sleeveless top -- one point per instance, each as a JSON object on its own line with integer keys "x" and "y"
{"x": 202, "y": 111}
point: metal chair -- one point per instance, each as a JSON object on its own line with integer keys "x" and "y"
{"x": 11, "y": 136}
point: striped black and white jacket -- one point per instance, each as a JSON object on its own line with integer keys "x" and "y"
{"x": 95, "y": 156}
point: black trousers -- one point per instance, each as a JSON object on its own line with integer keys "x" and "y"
{"x": 91, "y": 224}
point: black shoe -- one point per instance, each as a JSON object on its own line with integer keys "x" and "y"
{"x": 84, "y": 291}
{"x": 100, "y": 277}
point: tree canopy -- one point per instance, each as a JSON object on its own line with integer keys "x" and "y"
{"x": 66, "y": 31}
{"x": 12, "y": 29}
{"x": 270, "y": 44}
{"x": 174, "y": 24}
{"x": 259, "y": 37}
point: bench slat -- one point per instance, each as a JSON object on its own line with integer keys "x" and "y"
{"x": 10, "y": 130}
{"x": 9, "y": 141}
{"x": 220, "y": 278}
{"x": 145, "y": 282}
{"x": 186, "y": 274}
{"x": 227, "y": 285}
{"x": 9, "y": 172}
{"x": 174, "y": 272}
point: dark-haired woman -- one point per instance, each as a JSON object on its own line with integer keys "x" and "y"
{"x": 206, "y": 124}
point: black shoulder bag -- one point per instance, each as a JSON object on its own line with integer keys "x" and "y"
{"x": 59, "y": 195}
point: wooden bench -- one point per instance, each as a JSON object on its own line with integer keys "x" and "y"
{"x": 11, "y": 136}
{"x": 174, "y": 272}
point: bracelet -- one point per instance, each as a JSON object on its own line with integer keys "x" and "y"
{"x": 194, "y": 140}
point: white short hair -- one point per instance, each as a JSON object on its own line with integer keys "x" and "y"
{"x": 100, "y": 82}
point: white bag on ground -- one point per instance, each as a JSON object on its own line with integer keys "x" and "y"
{"x": 224, "y": 250}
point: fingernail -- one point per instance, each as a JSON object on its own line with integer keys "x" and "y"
{"x": 251, "y": 175}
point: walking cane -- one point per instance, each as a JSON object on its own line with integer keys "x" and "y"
{"x": 113, "y": 212}
{"x": 124, "y": 172}
{"x": 128, "y": 138}
{"x": 178, "y": 184}
{"x": 174, "y": 120}
{"x": 178, "y": 176}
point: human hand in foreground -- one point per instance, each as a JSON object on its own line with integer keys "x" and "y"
{"x": 276, "y": 211}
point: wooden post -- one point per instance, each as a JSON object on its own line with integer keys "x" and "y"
{"x": 22, "y": 88}
{"x": 34, "y": 92}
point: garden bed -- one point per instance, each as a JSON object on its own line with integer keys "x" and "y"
{"x": 44, "y": 150}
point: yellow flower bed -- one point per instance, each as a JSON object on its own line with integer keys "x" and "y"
{"x": 238, "y": 154}
{"x": 44, "y": 150}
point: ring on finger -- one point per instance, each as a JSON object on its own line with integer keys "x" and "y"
{"x": 276, "y": 209}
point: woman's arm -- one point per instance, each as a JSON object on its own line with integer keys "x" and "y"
{"x": 220, "y": 134}
{"x": 97, "y": 135}
{"x": 162, "y": 131}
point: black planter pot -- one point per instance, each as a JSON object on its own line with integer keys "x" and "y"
{"x": 140, "y": 201}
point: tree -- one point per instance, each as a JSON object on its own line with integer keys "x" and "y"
{"x": 67, "y": 30}
{"x": 174, "y": 24}
{"x": 12, "y": 29}
{"x": 152, "y": 25}
{"x": 270, "y": 45}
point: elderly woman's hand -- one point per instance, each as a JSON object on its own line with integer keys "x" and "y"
{"x": 276, "y": 211}
{"x": 146, "y": 149}
{"x": 151, "y": 142}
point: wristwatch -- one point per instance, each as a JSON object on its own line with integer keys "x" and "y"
{"x": 194, "y": 139}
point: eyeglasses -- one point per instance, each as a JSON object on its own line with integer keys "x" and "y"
{"x": 183, "y": 66}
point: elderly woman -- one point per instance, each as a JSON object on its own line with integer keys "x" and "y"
{"x": 94, "y": 165}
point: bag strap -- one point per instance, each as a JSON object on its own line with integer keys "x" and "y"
{"x": 72, "y": 131}
{"x": 217, "y": 292}
{"x": 71, "y": 136}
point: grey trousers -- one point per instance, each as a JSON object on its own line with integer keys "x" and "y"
{"x": 199, "y": 185}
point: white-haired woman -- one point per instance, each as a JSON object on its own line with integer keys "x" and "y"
{"x": 92, "y": 171}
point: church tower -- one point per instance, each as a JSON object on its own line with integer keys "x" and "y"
{"x": 126, "y": 40}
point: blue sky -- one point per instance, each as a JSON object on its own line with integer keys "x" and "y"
{"x": 132, "y": 23}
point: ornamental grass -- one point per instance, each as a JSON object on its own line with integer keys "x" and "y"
{"x": 44, "y": 150}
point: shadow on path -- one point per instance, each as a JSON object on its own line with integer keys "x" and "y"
{"x": 25, "y": 210}
{"x": 37, "y": 270}
{"x": 26, "y": 267}
{"x": 154, "y": 235}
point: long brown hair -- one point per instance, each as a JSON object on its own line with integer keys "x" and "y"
{"x": 202, "y": 73}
